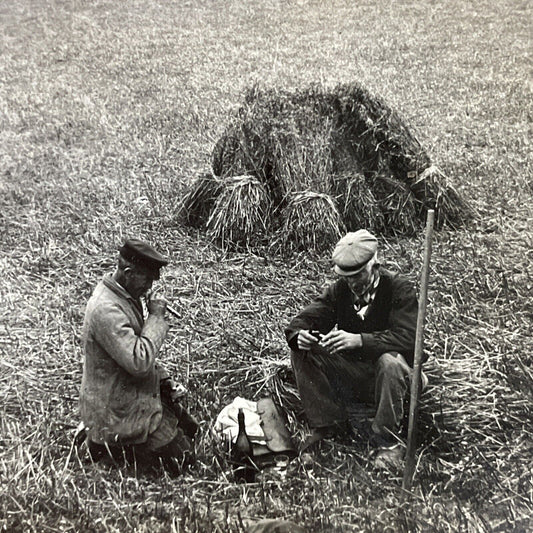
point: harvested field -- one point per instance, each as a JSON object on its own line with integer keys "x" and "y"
{"x": 110, "y": 112}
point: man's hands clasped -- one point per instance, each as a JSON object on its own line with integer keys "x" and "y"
{"x": 335, "y": 342}
{"x": 338, "y": 340}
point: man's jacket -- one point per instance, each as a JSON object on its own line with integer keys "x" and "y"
{"x": 389, "y": 325}
{"x": 120, "y": 393}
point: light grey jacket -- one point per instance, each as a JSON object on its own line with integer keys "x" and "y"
{"x": 120, "y": 398}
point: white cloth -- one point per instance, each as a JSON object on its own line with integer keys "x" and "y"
{"x": 226, "y": 426}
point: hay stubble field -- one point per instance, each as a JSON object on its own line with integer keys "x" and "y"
{"x": 110, "y": 109}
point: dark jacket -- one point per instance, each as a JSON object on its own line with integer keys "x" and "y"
{"x": 120, "y": 393}
{"x": 389, "y": 325}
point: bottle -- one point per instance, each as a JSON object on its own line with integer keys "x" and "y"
{"x": 242, "y": 454}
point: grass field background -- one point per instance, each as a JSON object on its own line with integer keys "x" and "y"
{"x": 108, "y": 110}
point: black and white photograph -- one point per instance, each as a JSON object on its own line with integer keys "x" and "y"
{"x": 266, "y": 266}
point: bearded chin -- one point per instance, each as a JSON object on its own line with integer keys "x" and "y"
{"x": 360, "y": 290}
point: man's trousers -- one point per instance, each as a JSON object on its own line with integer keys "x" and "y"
{"x": 328, "y": 382}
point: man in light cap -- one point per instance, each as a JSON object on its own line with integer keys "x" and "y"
{"x": 356, "y": 342}
{"x": 129, "y": 404}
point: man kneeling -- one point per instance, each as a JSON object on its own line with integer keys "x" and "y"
{"x": 129, "y": 404}
{"x": 356, "y": 342}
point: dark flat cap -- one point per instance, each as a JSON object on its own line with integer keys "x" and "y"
{"x": 144, "y": 255}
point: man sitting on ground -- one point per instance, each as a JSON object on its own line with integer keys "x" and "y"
{"x": 129, "y": 404}
{"x": 356, "y": 341}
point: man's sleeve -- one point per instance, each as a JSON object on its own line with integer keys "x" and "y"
{"x": 162, "y": 372}
{"x": 401, "y": 333}
{"x": 136, "y": 354}
{"x": 321, "y": 314}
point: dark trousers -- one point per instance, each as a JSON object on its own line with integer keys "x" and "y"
{"x": 167, "y": 445}
{"x": 327, "y": 382}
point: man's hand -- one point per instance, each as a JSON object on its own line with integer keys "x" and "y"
{"x": 171, "y": 390}
{"x": 156, "y": 305}
{"x": 306, "y": 339}
{"x": 340, "y": 340}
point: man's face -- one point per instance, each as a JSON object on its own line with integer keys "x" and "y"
{"x": 359, "y": 282}
{"x": 138, "y": 281}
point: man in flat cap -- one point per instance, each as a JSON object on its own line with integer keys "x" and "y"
{"x": 356, "y": 342}
{"x": 129, "y": 404}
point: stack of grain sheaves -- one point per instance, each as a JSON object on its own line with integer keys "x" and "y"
{"x": 297, "y": 169}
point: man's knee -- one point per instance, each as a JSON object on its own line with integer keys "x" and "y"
{"x": 392, "y": 364}
{"x": 315, "y": 360}
{"x": 300, "y": 358}
{"x": 315, "y": 350}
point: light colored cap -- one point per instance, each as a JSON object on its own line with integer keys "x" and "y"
{"x": 354, "y": 251}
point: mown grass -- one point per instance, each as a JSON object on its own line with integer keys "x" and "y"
{"x": 108, "y": 110}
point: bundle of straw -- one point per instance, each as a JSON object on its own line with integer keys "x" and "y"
{"x": 433, "y": 190}
{"x": 302, "y": 160}
{"x": 311, "y": 221}
{"x": 358, "y": 205}
{"x": 199, "y": 200}
{"x": 386, "y": 132}
{"x": 241, "y": 212}
{"x": 400, "y": 211}
{"x": 241, "y": 151}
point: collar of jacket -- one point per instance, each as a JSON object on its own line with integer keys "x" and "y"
{"x": 110, "y": 283}
{"x": 117, "y": 288}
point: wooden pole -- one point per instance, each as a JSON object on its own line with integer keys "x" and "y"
{"x": 410, "y": 455}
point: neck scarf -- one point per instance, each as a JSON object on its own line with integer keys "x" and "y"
{"x": 361, "y": 302}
